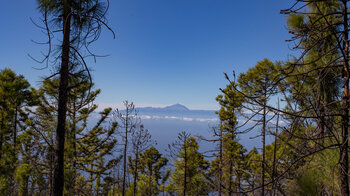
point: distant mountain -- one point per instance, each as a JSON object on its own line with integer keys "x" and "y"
{"x": 177, "y": 107}
{"x": 164, "y": 123}
{"x": 176, "y": 112}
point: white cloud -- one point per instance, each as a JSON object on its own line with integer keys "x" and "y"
{"x": 188, "y": 119}
{"x": 120, "y": 105}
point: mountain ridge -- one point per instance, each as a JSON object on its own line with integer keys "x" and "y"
{"x": 173, "y": 107}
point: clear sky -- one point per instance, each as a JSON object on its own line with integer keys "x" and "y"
{"x": 165, "y": 51}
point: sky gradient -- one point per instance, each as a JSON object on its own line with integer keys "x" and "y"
{"x": 165, "y": 51}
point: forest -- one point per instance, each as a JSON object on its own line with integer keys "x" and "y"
{"x": 49, "y": 146}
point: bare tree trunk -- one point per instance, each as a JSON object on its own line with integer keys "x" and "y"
{"x": 150, "y": 181}
{"x": 13, "y": 178}
{"x": 51, "y": 157}
{"x": 125, "y": 148}
{"x": 230, "y": 179}
{"x": 135, "y": 172}
{"x": 273, "y": 191}
{"x": 220, "y": 163}
{"x": 2, "y": 127}
{"x": 74, "y": 142}
{"x": 51, "y": 171}
{"x": 62, "y": 104}
{"x": 185, "y": 173}
{"x": 15, "y": 130}
{"x": 344, "y": 162}
{"x": 231, "y": 172}
{"x": 263, "y": 131}
{"x": 322, "y": 122}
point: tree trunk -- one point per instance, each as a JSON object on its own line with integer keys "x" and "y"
{"x": 125, "y": 148}
{"x": 14, "y": 182}
{"x": 2, "y": 127}
{"x": 230, "y": 179}
{"x": 1, "y": 134}
{"x": 273, "y": 191}
{"x": 263, "y": 150}
{"x": 51, "y": 157}
{"x": 135, "y": 172}
{"x": 239, "y": 184}
{"x": 150, "y": 180}
{"x": 185, "y": 173}
{"x": 15, "y": 131}
{"x": 231, "y": 171}
{"x": 74, "y": 145}
{"x": 62, "y": 105}
{"x": 322, "y": 123}
{"x": 344, "y": 166}
{"x": 220, "y": 163}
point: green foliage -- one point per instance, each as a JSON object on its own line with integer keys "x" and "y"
{"x": 15, "y": 95}
{"x": 313, "y": 88}
{"x": 253, "y": 161}
{"x": 190, "y": 170}
{"x": 259, "y": 82}
{"x": 295, "y": 21}
{"x": 231, "y": 103}
{"x": 230, "y": 165}
{"x": 86, "y": 16}
{"x": 86, "y": 148}
{"x": 150, "y": 165}
{"x": 307, "y": 185}
{"x": 233, "y": 164}
{"x": 317, "y": 176}
{"x": 22, "y": 175}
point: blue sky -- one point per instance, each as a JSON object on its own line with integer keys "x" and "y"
{"x": 165, "y": 51}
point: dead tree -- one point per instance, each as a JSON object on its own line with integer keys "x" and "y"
{"x": 127, "y": 120}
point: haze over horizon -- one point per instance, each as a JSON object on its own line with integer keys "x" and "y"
{"x": 120, "y": 106}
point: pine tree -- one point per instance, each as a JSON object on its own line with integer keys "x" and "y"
{"x": 128, "y": 121}
{"x": 88, "y": 150}
{"x": 258, "y": 85}
{"x": 216, "y": 165}
{"x": 232, "y": 152}
{"x": 15, "y": 96}
{"x": 190, "y": 167}
{"x": 321, "y": 31}
{"x": 80, "y": 24}
{"x": 253, "y": 161}
{"x": 84, "y": 146}
{"x": 151, "y": 165}
{"x": 141, "y": 140}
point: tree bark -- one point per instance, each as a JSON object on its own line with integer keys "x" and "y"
{"x": 62, "y": 104}
{"x": 263, "y": 131}
{"x": 150, "y": 180}
{"x": 74, "y": 145}
{"x": 231, "y": 171}
{"x": 125, "y": 148}
{"x": 220, "y": 163}
{"x": 344, "y": 159}
{"x": 136, "y": 172}
{"x": 2, "y": 127}
{"x": 273, "y": 191}
{"x": 185, "y": 172}
{"x": 15, "y": 130}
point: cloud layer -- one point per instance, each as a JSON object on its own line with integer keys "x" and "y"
{"x": 188, "y": 119}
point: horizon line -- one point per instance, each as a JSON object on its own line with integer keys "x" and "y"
{"x": 144, "y": 105}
